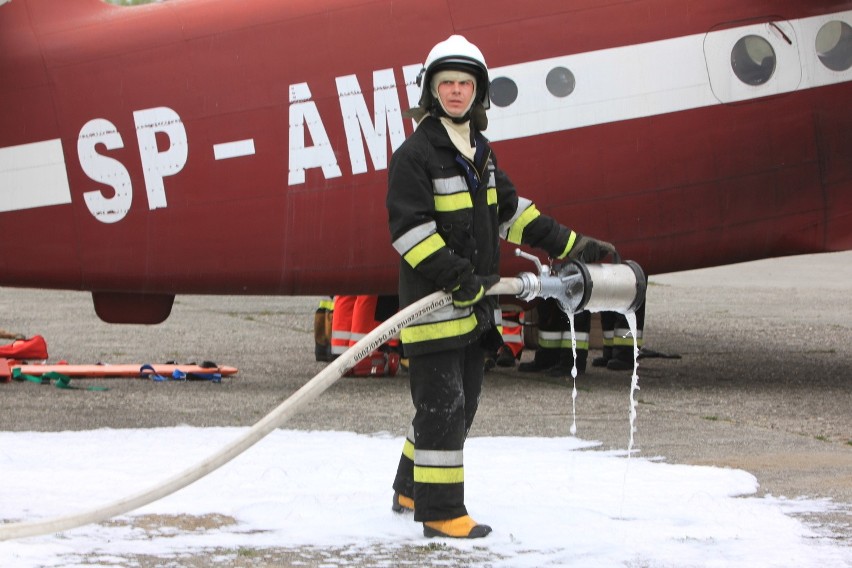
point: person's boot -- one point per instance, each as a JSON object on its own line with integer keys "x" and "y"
{"x": 603, "y": 359}
{"x": 402, "y": 504}
{"x": 322, "y": 349}
{"x": 322, "y": 352}
{"x": 566, "y": 363}
{"x": 544, "y": 359}
{"x": 460, "y": 527}
{"x": 505, "y": 357}
{"x": 622, "y": 359}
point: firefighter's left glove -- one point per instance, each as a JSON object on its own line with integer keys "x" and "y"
{"x": 472, "y": 288}
{"x": 588, "y": 249}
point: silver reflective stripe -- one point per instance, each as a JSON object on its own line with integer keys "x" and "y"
{"x": 438, "y": 458}
{"x": 446, "y": 313}
{"x": 523, "y": 204}
{"x": 513, "y": 338}
{"x": 626, "y": 333}
{"x": 413, "y": 236}
{"x": 563, "y": 335}
{"x": 449, "y": 186}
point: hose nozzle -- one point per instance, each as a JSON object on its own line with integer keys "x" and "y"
{"x": 594, "y": 287}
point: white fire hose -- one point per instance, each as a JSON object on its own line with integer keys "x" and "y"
{"x": 526, "y": 286}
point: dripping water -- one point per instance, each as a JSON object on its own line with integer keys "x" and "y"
{"x": 573, "y": 374}
{"x": 634, "y": 379}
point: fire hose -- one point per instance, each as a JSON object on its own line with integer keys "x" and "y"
{"x": 620, "y": 287}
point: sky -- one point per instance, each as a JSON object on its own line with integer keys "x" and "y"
{"x": 551, "y": 502}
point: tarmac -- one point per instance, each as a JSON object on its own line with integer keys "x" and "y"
{"x": 763, "y": 382}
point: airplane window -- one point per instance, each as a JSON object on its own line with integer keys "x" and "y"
{"x": 834, "y": 45}
{"x": 560, "y": 82}
{"x": 504, "y": 91}
{"x": 753, "y": 60}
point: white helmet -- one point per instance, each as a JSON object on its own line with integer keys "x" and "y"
{"x": 455, "y": 52}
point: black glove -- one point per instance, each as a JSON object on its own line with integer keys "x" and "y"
{"x": 472, "y": 288}
{"x": 588, "y": 249}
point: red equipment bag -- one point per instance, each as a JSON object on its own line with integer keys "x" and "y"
{"x": 376, "y": 364}
{"x": 20, "y": 349}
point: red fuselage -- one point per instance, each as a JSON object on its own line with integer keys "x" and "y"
{"x": 212, "y": 146}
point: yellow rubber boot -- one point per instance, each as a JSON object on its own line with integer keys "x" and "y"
{"x": 402, "y": 504}
{"x": 460, "y": 527}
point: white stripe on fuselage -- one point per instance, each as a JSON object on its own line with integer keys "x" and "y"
{"x": 658, "y": 77}
{"x": 33, "y": 175}
{"x": 238, "y": 149}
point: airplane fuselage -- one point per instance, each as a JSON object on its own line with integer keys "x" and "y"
{"x": 211, "y": 146}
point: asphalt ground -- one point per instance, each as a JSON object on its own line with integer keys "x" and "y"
{"x": 764, "y": 382}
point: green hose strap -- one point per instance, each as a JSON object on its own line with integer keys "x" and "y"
{"x": 60, "y": 381}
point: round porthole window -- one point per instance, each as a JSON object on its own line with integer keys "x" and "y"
{"x": 753, "y": 60}
{"x": 504, "y": 91}
{"x": 834, "y": 45}
{"x": 560, "y": 82}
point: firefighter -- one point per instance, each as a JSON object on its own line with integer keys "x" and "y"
{"x": 555, "y": 353}
{"x": 512, "y": 331}
{"x": 511, "y": 338}
{"x": 618, "y": 340}
{"x": 368, "y": 312}
{"x": 341, "y": 324}
{"x": 448, "y": 202}
{"x": 322, "y": 329}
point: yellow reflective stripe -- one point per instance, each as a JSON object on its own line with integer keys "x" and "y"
{"x": 562, "y": 344}
{"x": 438, "y": 474}
{"x": 492, "y": 195}
{"x": 516, "y": 232}
{"x": 626, "y": 341}
{"x": 438, "y": 330}
{"x": 453, "y": 202}
{"x": 568, "y": 246}
{"x": 408, "y": 449}
{"x": 472, "y": 301}
{"x": 326, "y": 304}
{"x": 423, "y": 249}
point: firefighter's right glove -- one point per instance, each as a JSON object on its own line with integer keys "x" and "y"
{"x": 472, "y": 288}
{"x": 588, "y": 249}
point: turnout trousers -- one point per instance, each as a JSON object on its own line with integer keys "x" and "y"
{"x": 445, "y": 389}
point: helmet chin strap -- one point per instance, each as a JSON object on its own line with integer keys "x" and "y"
{"x": 465, "y": 116}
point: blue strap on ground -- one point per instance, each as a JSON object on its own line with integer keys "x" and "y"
{"x": 151, "y": 373}
{"x": 213, "y": 377}
{"x": 178, "y": 375}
